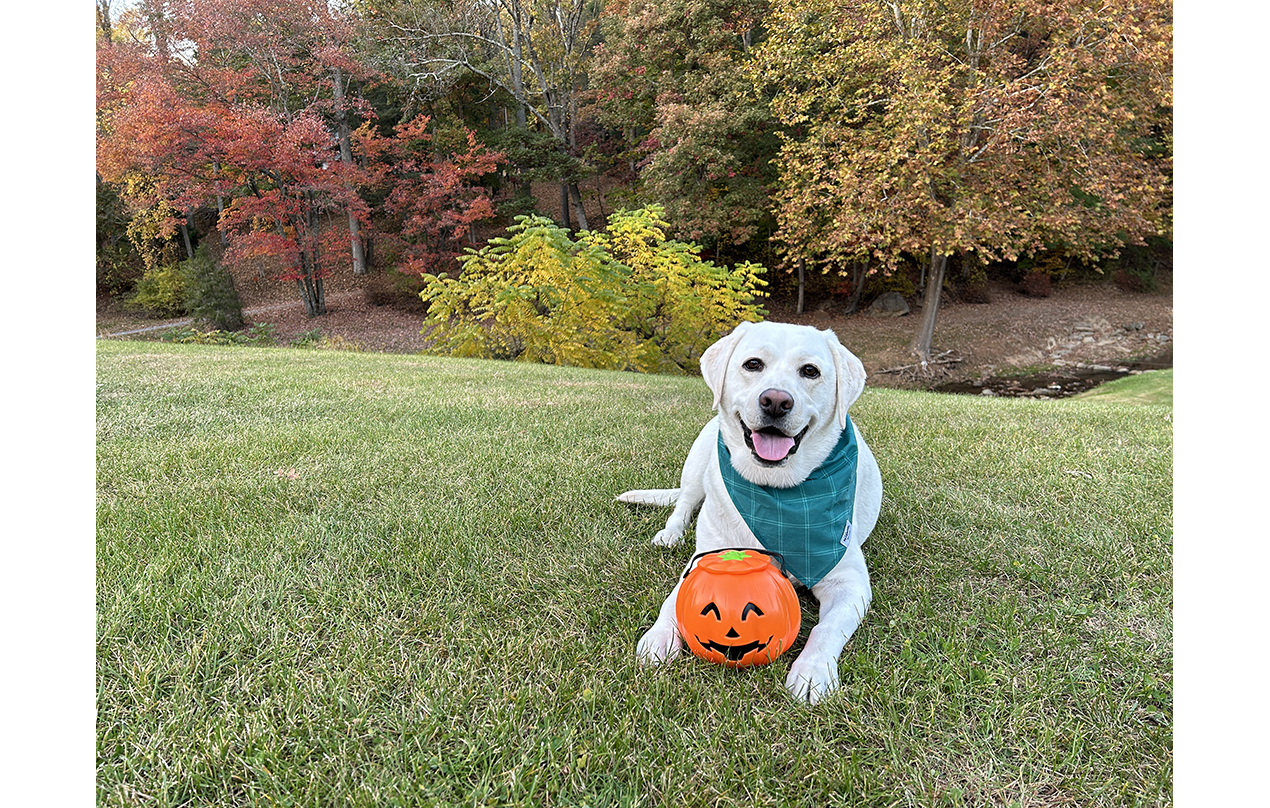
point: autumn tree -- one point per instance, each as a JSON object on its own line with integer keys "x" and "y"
{"x": 670, "y": 76}
{"x": 238, "y": 103}
{"x": 294, "y": 56}
{"x": 533, "y": 50}
{"x": 433, "y": 189}
{"x": 988, "y": 129}
{"x": 105, "y": 23}
{"x": 626, "y": 299}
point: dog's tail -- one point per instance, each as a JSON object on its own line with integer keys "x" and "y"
{"x": 651, "y": 496}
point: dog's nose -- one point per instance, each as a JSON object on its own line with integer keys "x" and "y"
{"x": 775, "y": 403}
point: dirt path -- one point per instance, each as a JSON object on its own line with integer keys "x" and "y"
{"x": 1081, "y": 325}
{"x": 1088, "y": 324}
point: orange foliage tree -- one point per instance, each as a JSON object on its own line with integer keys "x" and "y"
{"x": 243, "y": 102}
{"x": 235, "y": 102}
{"x": 432, "y": 187}
{"x": 989, "y": 129}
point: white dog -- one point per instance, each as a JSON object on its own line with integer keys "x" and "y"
{"x": 782, "y": 393}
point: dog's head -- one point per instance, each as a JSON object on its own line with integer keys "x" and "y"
{"x": 782, "y": 392}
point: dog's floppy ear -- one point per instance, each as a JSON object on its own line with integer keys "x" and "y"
{"x": 850, "y": 373}
{"x": 714, "y": 362}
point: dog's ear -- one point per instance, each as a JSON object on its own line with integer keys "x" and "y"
{"x": 850, "y": 373}
{"x": 714, "y": 362}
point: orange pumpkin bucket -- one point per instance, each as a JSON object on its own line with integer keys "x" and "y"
{"x": 736, "y": 608}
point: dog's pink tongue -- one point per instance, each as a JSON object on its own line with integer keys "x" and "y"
{"x": 772, "y": 448}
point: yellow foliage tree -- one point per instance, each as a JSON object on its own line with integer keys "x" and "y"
{"x": 628, "y": 299}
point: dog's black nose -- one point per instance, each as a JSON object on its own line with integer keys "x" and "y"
{"x": 775, "y": 403}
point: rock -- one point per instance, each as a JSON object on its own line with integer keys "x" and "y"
{"x": 1091, "y": 324}
{"x": 890, "y": 304}
{"x": 1031, "y": 356}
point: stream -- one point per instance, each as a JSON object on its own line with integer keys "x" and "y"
{"x": 1058, "y": 383}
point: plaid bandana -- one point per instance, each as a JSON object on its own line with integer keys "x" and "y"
{"x": 809, "y": 524}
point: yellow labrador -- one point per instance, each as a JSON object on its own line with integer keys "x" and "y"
{"x": 780, "y": 467}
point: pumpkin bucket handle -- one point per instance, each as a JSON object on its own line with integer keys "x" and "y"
{"x": 779, "y": 558}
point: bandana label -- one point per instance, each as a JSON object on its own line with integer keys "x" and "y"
{"x": 809, "y": 524}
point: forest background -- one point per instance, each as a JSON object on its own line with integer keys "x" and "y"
{"x": 849, "y": 148}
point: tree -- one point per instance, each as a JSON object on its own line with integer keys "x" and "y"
{"x": 628, "y": 299}
{"x": 671, "y": 76}
{"x": 227, "y": 101}
{"x": 292, "y": 55}
{"x": 534, "y": 50}
{"x": 433, "y": 190}
{"x": 105, "y": 25}
{"x": 279, "y": 171}
{"x": 989, "y": 129}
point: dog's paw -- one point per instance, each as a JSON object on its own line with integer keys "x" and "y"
{"x": 659, "y": 645}
{"x": 667, "y": 537}
{"x": 812, "y": 679}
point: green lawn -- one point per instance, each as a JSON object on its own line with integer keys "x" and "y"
{"x": 1155, "y": 387}
{"x": 344, "y": 579}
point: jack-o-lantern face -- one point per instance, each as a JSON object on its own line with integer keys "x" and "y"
{"x": 736, "y": 609}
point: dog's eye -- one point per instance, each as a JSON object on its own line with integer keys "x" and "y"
{"x": 710, "y": 607}
{"x": 809, "y": 372}
{"x": 750, "y": 607}
{"x": 753, "y": 364}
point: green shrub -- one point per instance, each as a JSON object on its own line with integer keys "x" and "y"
{"x": 119, "y": 265}
{"x": 307, "y": 339}
{"x": 628, "y": 299}
{"x": 314, "y": 338}
{"x": 682, "y": 304}
{"x": 118, "y": 269}
{"x": 260, "y": 335}
{"x": 161, "y": 290}
{"x": 210, "y": 294}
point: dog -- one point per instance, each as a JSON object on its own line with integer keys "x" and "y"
{"x": 781, "y": 392}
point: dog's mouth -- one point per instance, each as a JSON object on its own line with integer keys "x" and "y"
{"x": 770, "y": 445}
{"x": 733, "y": 653}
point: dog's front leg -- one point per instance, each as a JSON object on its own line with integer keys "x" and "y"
{"x": 691, "y": 486}
{"x": 844, "y": 597}
{"x": 661, "y": 642}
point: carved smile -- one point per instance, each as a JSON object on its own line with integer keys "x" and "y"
{"x": 733, "y": 653}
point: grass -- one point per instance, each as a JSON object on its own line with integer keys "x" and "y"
{"x": 1154, "y": 387}
{"x": 331, "y": 578}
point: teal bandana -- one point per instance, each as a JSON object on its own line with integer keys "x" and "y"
{"x": 809, "y": 524}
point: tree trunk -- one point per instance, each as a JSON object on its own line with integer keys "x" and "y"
{"x": 359, "y": 251}
{"x": 220, "y": 205}
{"x": 576, "y": 193}
{"x": 306, "y": 294}
{"x": 185, "y": 231}
{"x": 319, "y": 291}
{"x": 514, "y": 64}
{"x": 566, "y": 219}
{"x": 857, "y": 286}
{"x": 920, "y": 347}
{"x": 802, "y": 270}
{"x": 346, "y": 157}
